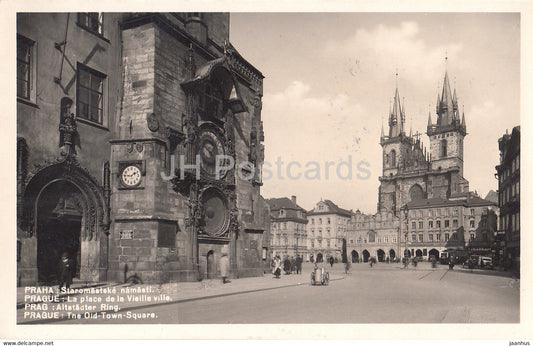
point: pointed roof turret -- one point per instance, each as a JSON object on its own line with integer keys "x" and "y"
{"x": 448, "y": 117}
{"x": 396, "y": 116}
{"x": 445, "y": 108}
{"x": 429, "y": 119}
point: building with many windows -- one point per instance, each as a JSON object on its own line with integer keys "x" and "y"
{"x": 326, "y": 231}
{"x": 423, "y": 197}
{"x": 373, "y": 236}
{"x": 508, "y": 173}
{"x": 119, "y": 120}
{"x": 288, "y": 233}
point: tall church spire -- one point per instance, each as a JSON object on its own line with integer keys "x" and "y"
{"x": 396, "y": 116}
{"x": 445, "y": 107}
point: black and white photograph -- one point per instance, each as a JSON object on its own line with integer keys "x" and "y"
{"x": 304, "y": 167}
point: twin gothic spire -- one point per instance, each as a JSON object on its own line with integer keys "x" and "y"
{"x": 396, "y": 117}
{"x": 447, "y": 110}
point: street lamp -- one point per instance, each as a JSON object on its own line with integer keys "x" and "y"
{"x": 405, "y": 211}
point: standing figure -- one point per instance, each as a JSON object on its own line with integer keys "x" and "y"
{"x": 65, "y": 271}
{"x": 293, "y": 265}
{"x": 346, "y": 267}
{"x": 298, "y": 265}
{"x": 331, "y": 261}
{"x": 287, "y": 266}
{"x": 224, "y": 266}
{"x": 276, "y": 270}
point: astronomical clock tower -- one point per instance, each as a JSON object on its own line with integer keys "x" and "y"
{"x": 191, "y": 105}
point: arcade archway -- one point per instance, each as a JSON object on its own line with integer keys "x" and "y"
{"x": 434, "y": 252}
{"x": 381, "y": 255}
{"x": 392, "y": 254}
{"x": 366, "y": 256}
{"x": 418, "y": 253}
{"x": 355, "y": 257}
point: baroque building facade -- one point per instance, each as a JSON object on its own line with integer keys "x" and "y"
{"x": 120, "y": 118}
{"x": 288, "y": 223}
{"x": 326, "y": 231}
{"x": 508, "y": 173}
{"x": 424, "y": 201}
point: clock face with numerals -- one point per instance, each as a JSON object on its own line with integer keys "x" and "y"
{"x": 209, "y": 147}
{"x": 131, "y": 176}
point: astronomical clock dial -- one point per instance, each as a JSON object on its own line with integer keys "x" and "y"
{"x": 216, "y": 213}
{"x": 209, "y": 146}
{"x": 131, "y": 176}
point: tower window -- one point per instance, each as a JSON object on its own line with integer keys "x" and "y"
{"x": 443, "y": 148}
{"x": 393, "y": 158}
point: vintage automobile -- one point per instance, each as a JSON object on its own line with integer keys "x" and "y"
{"x": 319, "y": 276}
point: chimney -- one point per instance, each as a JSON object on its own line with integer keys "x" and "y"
{"x": 293, "y": 199}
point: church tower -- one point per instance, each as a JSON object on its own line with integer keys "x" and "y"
{"x": 392, "y": 144}
{"x": 446, "y": 136}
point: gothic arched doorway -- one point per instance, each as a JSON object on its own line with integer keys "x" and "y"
{"x": 381, "y": 255}
{"x": 355, "y": 257}
{"x": 211, "y": 265}
{"x": 366, "y": 256}
{"x": 319, "y": 258}
{"x": 392, "y": 254}
{"x": 434, "y": 252}
{"x": 418, "y": 253}
{"x": 59, "y": 213}
{"x": 63, "y": 209}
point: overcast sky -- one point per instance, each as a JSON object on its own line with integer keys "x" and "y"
{"x": 330, "y": 77}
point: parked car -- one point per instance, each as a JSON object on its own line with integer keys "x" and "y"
{"x": 486, "y": 262}
{"x": 469, "y": 263}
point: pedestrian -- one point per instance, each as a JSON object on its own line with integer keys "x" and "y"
{"x": 452, "y": 263}
{"x": 287, "y": 266}
{"x": 65, "y": 271}
{"x": 224, "y": 266}
{"x": 298, "y": 264}
{"x": 331, "y": 261}
{"x": 346, "y": 267}
{"x": 276, "y": 270}
{"x": 293, "y": 264}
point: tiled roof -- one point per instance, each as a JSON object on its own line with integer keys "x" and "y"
{"x": 333, "y": 209}
{"x": 282, "y": 203}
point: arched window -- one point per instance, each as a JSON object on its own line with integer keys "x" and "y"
{"x": 416, "y": 192}
{"x": 443, "y": 148}
{"x": 393, "y": 158}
